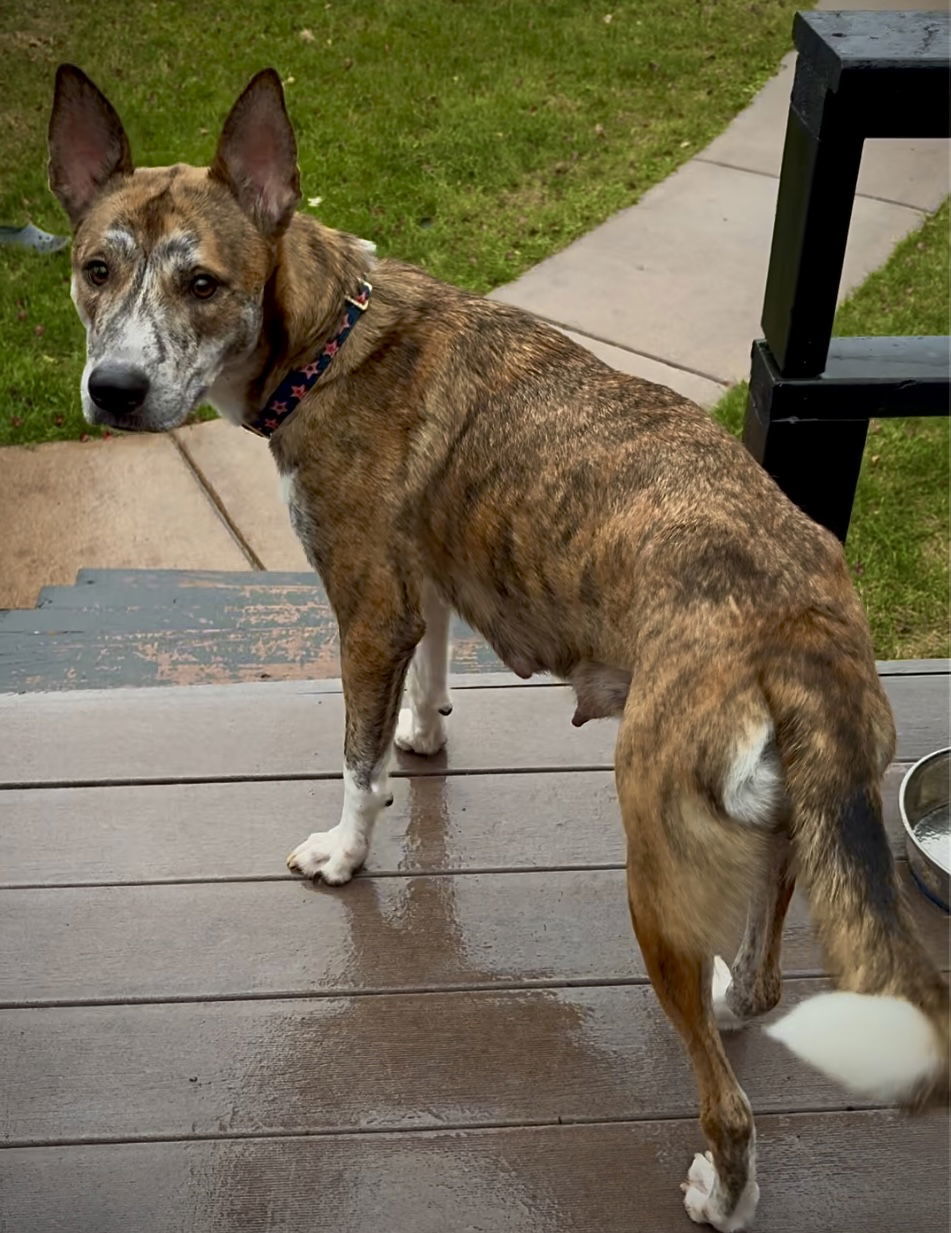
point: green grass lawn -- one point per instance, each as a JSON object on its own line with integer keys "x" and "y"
{"x": 898, "y": 541}
{"x": 473, "y": 137}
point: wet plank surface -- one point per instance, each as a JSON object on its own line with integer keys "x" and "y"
{"x": 449, "y": 824}
{"x": 205, "y": 940}
{"x": 545, "y": 1179}
{"x": 461, "y": 1039}
{"x": 294, "y": 728}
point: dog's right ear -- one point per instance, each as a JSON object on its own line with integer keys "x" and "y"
{"x": 87, "y": 142}
{"x": 257, "y": 155}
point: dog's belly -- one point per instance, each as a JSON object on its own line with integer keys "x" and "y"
{"x": 528, "y": 640}
{"x": 522, "y": 639}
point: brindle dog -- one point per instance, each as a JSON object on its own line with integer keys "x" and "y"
{"x": 458, "y": 454}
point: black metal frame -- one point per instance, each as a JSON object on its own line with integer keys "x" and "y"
{"x": 858, "y": 75}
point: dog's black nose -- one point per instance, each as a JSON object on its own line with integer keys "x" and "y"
{"x": 118, "y": 387}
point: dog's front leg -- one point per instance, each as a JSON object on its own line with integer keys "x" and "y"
{"x": 373, "y": 661}
{"x": 421, "y": 728}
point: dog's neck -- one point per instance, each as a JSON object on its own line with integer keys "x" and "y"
{"x": 315, "y": 268}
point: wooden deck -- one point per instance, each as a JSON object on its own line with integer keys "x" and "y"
{"x": 461, "y": 1040}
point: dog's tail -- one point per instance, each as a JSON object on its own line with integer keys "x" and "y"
{"x": 885, "y": 1032}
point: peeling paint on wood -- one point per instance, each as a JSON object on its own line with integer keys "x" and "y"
{"x": 167, "y": 627}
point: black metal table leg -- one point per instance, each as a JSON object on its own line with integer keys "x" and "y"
{"x": 815, "y": 462}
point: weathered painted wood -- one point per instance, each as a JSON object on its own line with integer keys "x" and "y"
{"x": 270, "y": 730}
{"x": 121, "y": 609}
{"x": 108, "y": 658}
{"x": 257, "y": 939}
{"x": 203, "y": 832}
{"x": 867, "y": 1172}
{"x": 374, "y": 1062}
{"x": 146, "y": 580}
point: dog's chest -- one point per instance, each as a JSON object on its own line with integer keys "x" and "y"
{"x": 300, "y": 513}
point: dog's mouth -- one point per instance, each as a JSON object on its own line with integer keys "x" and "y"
{"x": 144, "y": 418}
{"x": 129, "y": 423}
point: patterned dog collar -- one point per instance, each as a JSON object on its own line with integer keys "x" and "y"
{"x": 283, "y": 402}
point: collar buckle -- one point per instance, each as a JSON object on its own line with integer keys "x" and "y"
{"x": 362, "y": 298}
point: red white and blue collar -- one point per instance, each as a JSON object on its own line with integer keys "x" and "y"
{"x": 285, "y": 399}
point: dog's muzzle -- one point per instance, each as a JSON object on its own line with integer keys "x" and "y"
{"x": 118, "y": 389}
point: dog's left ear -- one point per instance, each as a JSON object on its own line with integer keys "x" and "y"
{"x": 257, "y": 155}
{"x": 87, "y": 142}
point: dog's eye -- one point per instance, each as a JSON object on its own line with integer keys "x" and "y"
{"x": 204, "y": 286}
{"x": 97, "y": 272}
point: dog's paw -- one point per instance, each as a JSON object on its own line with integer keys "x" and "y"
{"x": 323, "y": 855}
{"x": 727, "y": 1020}
{"x": 703, "y": 1200}
{"x": 701, "y": 1178}
{"x": 415, "y": 736}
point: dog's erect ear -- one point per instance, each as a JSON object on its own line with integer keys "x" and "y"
{"x": 257, "y": 155}
{"x": 87, "y": 142}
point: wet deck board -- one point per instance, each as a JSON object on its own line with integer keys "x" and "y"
{"x": 290, "y": 728}
{"x": 206, "y": 939}
{"x": 381, "y": 1061}
{"x": 460, "y": 1040}
{"x": 600, "y": 1178}
{"x": 437, "y": 824}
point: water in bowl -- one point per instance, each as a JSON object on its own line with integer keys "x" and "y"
{"x": 933, "y": 832}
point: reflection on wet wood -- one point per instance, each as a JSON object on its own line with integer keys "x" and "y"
{"x": 608, "y": 1178}
{"x": 437, "y": 824}
{"x": 380, "y": 934}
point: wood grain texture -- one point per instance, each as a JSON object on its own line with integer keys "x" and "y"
{"x": 374, "y": 1062}
{"x": 209, "y": 831}
{"x": 266, "y": 730}
{"x": 604, "y": 1178}
{"x": 255, "y": 939}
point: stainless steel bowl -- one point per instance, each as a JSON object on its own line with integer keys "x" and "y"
{"x": 925, "y": 805}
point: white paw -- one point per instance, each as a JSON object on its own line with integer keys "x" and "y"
{"x": 416, "y": 736}
{"x": 704, "y": 1203}
{"x": 727, "y": 1021}
{"x": 701, "y": 1178}
{"x": 324, "y": 855}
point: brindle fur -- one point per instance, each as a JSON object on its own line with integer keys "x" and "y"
{"x": 591, "y": 525}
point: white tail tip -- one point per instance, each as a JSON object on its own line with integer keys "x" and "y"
{"x": 882, "y": 1048}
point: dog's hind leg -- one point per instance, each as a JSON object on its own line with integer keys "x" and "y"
{"x": 421, "y": 728}
{"x": 686, "y": 868}
{"x": 753, "y": 985}
{"x": 375, "y": 650}
{"x": 721, "y": 1185}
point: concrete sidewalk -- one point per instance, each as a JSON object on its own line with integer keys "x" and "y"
{"x": 669, "y": 289}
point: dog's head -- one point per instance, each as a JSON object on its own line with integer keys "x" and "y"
{"x": 170, "y": 264}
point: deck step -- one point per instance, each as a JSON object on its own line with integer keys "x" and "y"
{"x": 115, "y": 610}
{"x": 120, "y": 587}
{"x": 174, "y": 627}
